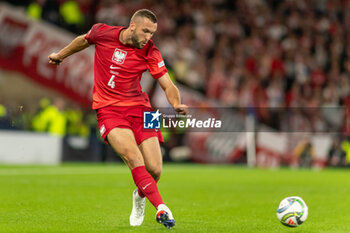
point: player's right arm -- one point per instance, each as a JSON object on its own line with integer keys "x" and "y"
{"x": 78, "y": 44}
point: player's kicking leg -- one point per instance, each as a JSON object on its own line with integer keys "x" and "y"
{"x": 153, "y": 160}
{"x": 123, "y": 142}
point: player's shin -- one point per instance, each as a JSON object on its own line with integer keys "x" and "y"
{"x": 140, "y": 193}
{"x": 147, "y": 185}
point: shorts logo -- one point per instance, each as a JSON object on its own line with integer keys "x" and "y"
{"x": 151, "y": 120}
{"x": 102, "y": 130}
{"x": 161, "y": 64}
{"x": 119, "y": 56}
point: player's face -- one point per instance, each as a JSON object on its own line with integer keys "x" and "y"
{"x": 143, "y": 32}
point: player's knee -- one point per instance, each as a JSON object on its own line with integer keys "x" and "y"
{"x": 155, "y": 173}
{"x": 132, "y": 158}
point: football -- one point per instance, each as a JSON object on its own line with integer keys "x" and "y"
{"x": 292, "y": 211}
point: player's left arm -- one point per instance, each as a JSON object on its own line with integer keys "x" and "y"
{"x": 172, "y": 93}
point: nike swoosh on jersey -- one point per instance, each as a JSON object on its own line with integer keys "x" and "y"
{"x": 114, "y": 67}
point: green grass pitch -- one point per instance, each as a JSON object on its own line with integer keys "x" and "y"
{"x": 97, "y": 198}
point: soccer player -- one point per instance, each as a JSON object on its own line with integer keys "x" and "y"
{"x": 121, "y": 56}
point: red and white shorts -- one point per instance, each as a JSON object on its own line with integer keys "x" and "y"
{"x": 111, "y": 117}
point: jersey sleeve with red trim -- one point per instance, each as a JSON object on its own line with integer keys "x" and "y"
{"x": 93, "y": 35}
{"x": 155, "y": 62}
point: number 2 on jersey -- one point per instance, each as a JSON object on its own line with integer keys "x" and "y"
{"x": 111, "y": 82}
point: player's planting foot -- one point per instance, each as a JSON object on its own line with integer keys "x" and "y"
{"x": 138, "y": 209}
{"x": 164, "y": 216}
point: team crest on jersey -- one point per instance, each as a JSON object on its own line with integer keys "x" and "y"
{"x": 119, "y": 56}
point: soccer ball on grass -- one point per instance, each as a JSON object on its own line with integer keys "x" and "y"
{"x": 292, "y": 211}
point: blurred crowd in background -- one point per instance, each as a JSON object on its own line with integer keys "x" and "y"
{"x": 261, "y": 53}
{"x": 265, "y": 54}
{"x": 53, "y": 116}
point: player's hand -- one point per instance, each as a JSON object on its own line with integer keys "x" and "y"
{"x": 182, "y": 109}
{"x": 55, "y": 59}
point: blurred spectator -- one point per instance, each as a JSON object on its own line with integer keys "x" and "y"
{"x": 345, "y": 145}
{"x": 72, "y": 17}
{"x": 3, "y": 111}
{"x": 75, "y": 122}
{"x": 336, "y": 154}
{"x": 305, "y": 152}
{"x": 51, "y": 119}
{"x": 34, "y": 9}
{"x": 4, "y": 120}
{"x": 47, "y": 10}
